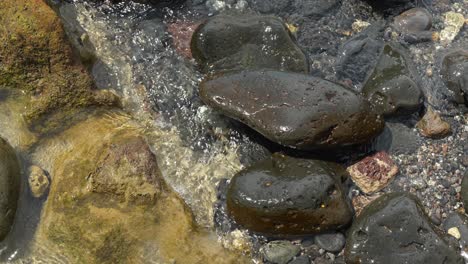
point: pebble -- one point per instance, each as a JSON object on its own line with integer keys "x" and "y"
{"x": 38, "y": 181}
{"x": 453, "y": 22}
{"x": 432, "y": 125}
{"x": 280, "y": 251}
{"x": 413, "y": 20}
{"x": 454, "y": 232}
{"x": 332, "y": 242}
{"x": 301, "y": 260}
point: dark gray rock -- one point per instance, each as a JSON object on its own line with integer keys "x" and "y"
{"x": 413, "y": 20}
{"x": 301, "y": 260}
{"x": 294, "y": 110}
{"x": 241, "y": 42}
{"x": 459, "y": 221}
{"x": 309, "y": 9}
{"x": 454, "y": 71}
{"x": 280, "y": 251}
{"x": 389, "y": 87}
{"x": 464, "y": 190}
{"x": 395, "y": 229}
{"x": 288, "y": 196}
{"x": 9, "y": 187}
{"x": 332, "y": 242}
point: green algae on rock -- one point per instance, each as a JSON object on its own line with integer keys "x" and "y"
{"x": 289, "y": 196}
{"x": 389, "y": 88}
{"x": 9, "y": 187}
{"x": 241, "y": 42}
{"x": 395, "y": 229}
{"x": 293, "y": 109}
{"x": 38, "y": 61}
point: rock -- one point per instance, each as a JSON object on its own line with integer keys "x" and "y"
{"x": 413, "y": 21}
{"x": 453, "y": 23}
{"x": 311, "y": 10}
{"x": 241, "y": 42}
{"x": 454, "y": 71}
{"x": 182, "y": 32}
{"x": 38, "y": 181}
{"x": 389, "y": 88}
{"x": 374, "y": 172}
{"x": 359, "y": 25}
{"x": 289, "y": 196}
{"x": 358, "y": 57}
{"x": 395, "y": 229}
{"x": 280, "y": 251}
{"x": 460, "y": 222}
{"x": 464, "y": 191}
{"x": 107, "y": 190}
{"x": 332, "y": 242}
{"x": 9, "y": 187}
{"x": 391, "y": 6}
{"x": 301, "y": 260}
{"x": 431, "y": 125}
{"x": 56, "y": 87}
{"x": 294, "y": 110}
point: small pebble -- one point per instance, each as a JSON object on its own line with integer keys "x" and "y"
{"x": 332, "y": 242}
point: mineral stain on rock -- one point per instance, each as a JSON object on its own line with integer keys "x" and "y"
{"x": 287, "y": 196}
{"x": 294, "y": 110}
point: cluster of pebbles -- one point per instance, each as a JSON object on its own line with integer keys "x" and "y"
{"x": 395, "y": 195}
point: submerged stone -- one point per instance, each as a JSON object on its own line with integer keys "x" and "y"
{"x": 431, "y": 125}
{"x": 9, "y": 187}
{"x": 413, "y": 20}
{"x": 294, "y": 110}
{"x": 246, "y": 42}
{"x": 389, "y": 88}
{"x": 38, "y": 181}
{"x": 288, "y": 196}
{"x": 280, "y": 251}
{"x": 395, "y": 229}
{"x": 454, "y": 71}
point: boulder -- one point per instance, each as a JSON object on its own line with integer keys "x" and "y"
{"x": 294, "y": 110}
{"x": 288, "y": 196}
{"x": 395, "y": 229}
{"x": 241, "y": 42}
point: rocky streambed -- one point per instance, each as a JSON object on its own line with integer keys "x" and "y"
{"x": 236, "y": 131}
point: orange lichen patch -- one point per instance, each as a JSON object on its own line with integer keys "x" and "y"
{"x": 181, "y": 32}
{"x": 374, "y": 172}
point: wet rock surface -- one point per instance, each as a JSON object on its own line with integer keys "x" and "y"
{"x": 9, "y": 187}
{"x": 432, "y": 125}
{"x": 289, "y": 196}
{"x": 241, "y": 42}
{"x": 395, "y": 229}
{"x": 280, "y": 251}
{"x": 390, "y": 87}
{"x": 38, "y": 181}
{"x": 413, "y": 20}
{"x": 332, "y": 242}
{"x": 460, "y": 222}
{"x": 454, "y": 71}
{"x": 294, "y": 110}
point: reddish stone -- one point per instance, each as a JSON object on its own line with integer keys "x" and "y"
{"x": 374, "y": 172}
{"x": 181, "y": 32}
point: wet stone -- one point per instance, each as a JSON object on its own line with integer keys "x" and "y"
{"x": 309, "y": 9}
{"x": 38, "y": 181}
{"x": 431, "y": 125}
{"x": 389, "y": 88}
{"x": 280, "y": 251}
{"x": 294, "y": 110}
{"x": 454, "y": 70}
{"x": 9, "y": 187}
{"x": 374, "y": 172}
{"x": 332, "y": 242}
{"x": 464, "y": 191}
{"x": 459, "y": 221}
{"x": 241, "y": 42}
{"x": 289, "y": 196}
{"x": 395, "y": 229}
{"x": 413, "y": 20}
{"x": 301, "y": 260}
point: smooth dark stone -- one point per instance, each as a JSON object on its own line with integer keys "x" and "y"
{"x": 459, "y": 221}
{"x": 294, "y": 110}
{"x": 454, "y": 71}
{"x": 288, "y": 196}
{"x": 389, "y": 88}
{"x": 413, "y": 20}
{"x": 464, "y": 190}
{"x": 391, "y": 6}
{"x": 357, "y": 58}
{"x": 332, "y": 242}
{"x": 280, "y": 251}
{"x": 242, "y": 42}
{"x": 9, "y": 187}
{"x": 310, "y": 9}
{"x": 395, "y": 229}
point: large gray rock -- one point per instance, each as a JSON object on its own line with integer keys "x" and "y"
{"x": 395, "y": 229}
{"x": 294, "y": 110}
{"x": 454, "y": 71}
{"x": 246, "y": 42}
{"x": 289, "y": 196}
{"x": 9, "y": 187}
